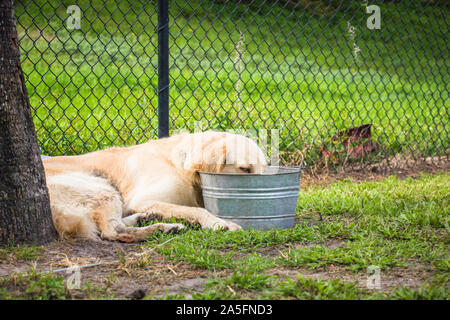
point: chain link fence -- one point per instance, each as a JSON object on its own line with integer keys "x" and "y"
{"x": 336, "y": 82}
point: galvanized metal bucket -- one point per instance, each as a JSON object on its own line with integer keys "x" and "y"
{"x": 260, "y": 201}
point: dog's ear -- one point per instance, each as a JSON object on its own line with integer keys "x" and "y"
{"x": 214, "y": 157}
{"x": 204, "y": 153}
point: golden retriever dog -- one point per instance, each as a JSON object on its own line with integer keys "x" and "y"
{"x": 105, "y": 194}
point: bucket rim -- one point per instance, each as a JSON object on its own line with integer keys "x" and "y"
{"x": 290, "y": 170}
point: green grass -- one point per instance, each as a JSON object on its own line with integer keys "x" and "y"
{"x": 34, "y": 285}
{"x": 19, "y": 253}
{"x": 400, "y": 226}
{"x": 393, "y": 224}
{"x": 96, "y": 87}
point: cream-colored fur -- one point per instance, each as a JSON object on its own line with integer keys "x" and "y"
{"x": 105, "y": 193}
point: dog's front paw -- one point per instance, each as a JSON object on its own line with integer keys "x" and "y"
{"x": 221, "y": 224}
{"x": 231, "y": 226}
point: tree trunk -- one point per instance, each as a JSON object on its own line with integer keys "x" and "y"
{"x": 25, "y": 215}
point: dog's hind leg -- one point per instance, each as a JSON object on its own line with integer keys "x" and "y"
{"x": 125, "y": 231}
{"x": 137, "y": 218}
{"x": 112, "y": 227}
{"x": 86, "y": 206}
{"x": 83, "y": 205}
{"x": 193, "y": 215}
{"x": 120, "y": 229}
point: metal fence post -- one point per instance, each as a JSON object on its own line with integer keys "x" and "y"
{"x": 163, "y": 68}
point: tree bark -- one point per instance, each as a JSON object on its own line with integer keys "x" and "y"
{"x": 25, "y": 215}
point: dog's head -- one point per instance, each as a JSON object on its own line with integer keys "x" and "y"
{"x": 222, "y": 152}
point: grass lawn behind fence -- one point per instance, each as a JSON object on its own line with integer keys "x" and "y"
{"x": 96, "y": 87}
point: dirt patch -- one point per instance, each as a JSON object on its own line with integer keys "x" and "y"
{"x": 185, "y": 287}
{"x": 68, "y": 253}
{"x": 400, "y": 166}
{"x": 112, "y": 269}
{"x": 388, "y": 279}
